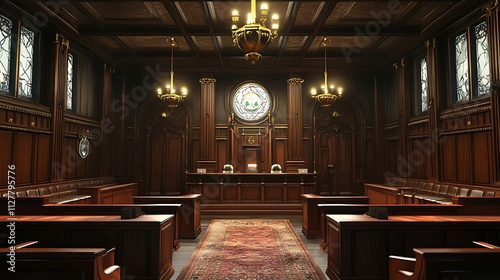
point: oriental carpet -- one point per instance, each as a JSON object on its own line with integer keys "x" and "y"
{"x": 251, "y": 249}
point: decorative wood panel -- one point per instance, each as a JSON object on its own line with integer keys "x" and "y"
{"x": 43, "y": 162}
{"x": 23, "y": 157}
{"x": 5, "y": 155}
{"x": 448, "y": 158}
{"x": 482, "y": 162}
{"x": 463, "y": 158}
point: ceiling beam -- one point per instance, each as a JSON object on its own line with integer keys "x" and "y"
{"x": 345, "y": 30}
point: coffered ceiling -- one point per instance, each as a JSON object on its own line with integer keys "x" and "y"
{"x": 364, "y": 34}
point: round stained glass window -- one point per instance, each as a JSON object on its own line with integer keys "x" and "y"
{"x": 251, "y": 102}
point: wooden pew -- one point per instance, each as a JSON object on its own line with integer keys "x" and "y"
{"x": 359, "y": 246}
{"x": 143, "y": 245}
{"x": 392, "y": 210}
{"x": 311, "y": 214}
{"x": 111, "y": 194}
{"x": 446, "y": 263}
{"x": 58, "y": 263}
{"x": 482, "y": 205}
{"x": 189, "y": 221}
{"x": 115, "y": 209}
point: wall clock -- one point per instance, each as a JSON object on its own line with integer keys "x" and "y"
{"x": 251, "y": 102}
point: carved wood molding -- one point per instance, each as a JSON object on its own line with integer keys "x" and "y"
{"x": 464, "y": 131}
{"x": 418, "y": 122}
{"x": 82, "y": 122}
{"x": 418, "y": 136}
{"x": 295, "y": 81}
{"x": 30, "y": 111}
{"x": 207, "y": 80}
{"x": 465, "y": 111}
{"x": 22, "y": 129}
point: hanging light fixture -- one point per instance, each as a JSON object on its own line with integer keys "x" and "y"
{"x": 168, "y": 95}
{"x": 328, "y": 95}
{"x": 253, "y": 37}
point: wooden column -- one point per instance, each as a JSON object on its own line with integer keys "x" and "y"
{"x": 402, "y": 118}
{"x": 492, "y": 17}
{"x": 207, "y": 117}
{"x": 434, "y": 106}
{"x": 106, "y": 126}
{"x": 58, "y": 106}
{"x": 294, "y": 119}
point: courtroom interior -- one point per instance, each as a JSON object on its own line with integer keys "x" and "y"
{"x": 134, "y": 133}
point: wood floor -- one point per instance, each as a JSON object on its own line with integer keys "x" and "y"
{"x": 181, "y": 256}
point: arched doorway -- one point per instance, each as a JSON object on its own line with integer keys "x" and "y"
{"x": 338, "y": 148}
{"x": 162, "y": 137}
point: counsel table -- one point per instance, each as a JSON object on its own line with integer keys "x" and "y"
{"x": 359, "y": 246}
{"x": 143, "y": 245}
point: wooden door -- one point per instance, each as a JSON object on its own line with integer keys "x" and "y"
{"x": 166, "y": 159}
{"x": 335, "y": 163}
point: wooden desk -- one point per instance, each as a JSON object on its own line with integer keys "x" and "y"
{"x": 251, "y": 187}
{"x": 359, "y": 246}
{"x": 392, "y": 210}
{"x": 311, "y": 216}
{"x": 143, "y": 245}
{"x": 189, "y": 213}
{"x": 380, "y": 193}
{"x": 114, "y": 209}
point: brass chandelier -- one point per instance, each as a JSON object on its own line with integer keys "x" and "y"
{"x": 328, "y": 95}
{"x": 169, "y": 95}
{"x": 253, "y": 37}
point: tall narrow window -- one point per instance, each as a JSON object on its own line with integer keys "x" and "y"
{"x": 69, "y": 89}
{"x": 461, "y": 68}
{"x": 482, "y": 60}
{"x": 470, "y": 63}
{"x": 5, "y": 52}
{"x": 26, "y": 63}
{"x": 423, "y": 92}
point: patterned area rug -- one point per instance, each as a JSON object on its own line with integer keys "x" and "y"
{"x": 251, "y": 249}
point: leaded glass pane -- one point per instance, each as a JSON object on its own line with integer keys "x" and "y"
{"x": 5, "y": 43}
{"x": 26, "y": 62}
{"x": 69, "y": 89}
{"x": 462, "y": 67}
{"x": 482, "y": 60}
{"x": 423, "y": 85}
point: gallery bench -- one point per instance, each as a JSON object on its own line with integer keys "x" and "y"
{"x": 143, "y": 245}
{"x": 359, "y": 246}
{"x": 59, "y": 263}
{"x": 189, "y": 218}
{"x": 392, "y": 210}
{"x": 446, "y": 263}
{"x": 311, "y": 226}
{"x": 85, "y": 194}
{"x": 115, "y": 209}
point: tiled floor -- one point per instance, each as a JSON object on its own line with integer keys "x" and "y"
{"x": 188, "y": 245}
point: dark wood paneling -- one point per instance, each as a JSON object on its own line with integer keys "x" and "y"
{"x": 221, "y": 155}
{"x": 482, "y": 158}
{"x": 5, "y": 154}
{"x": 463, "y": 158}
{"x": 43, "y": 164}
{"x": 449, "y": 158}
{"x": 23, "y": 157}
